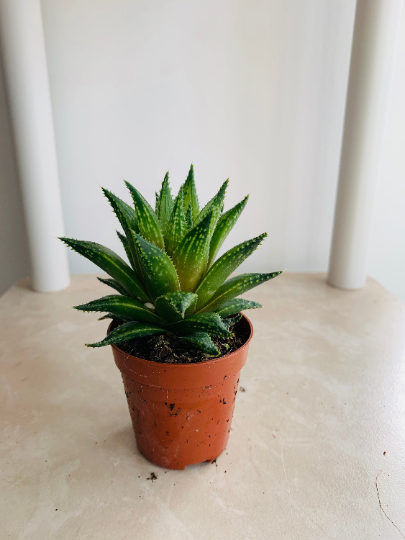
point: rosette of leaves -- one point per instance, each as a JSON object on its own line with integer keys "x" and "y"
{"x": 172, "y": 281}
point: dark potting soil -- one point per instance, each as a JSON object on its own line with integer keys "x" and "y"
{"x": 169, "y": 349}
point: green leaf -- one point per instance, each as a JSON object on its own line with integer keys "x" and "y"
{"x": 114, "y": 285}
{"x": 215, "y": 205}
{"x": 177, "y": 226}
{"x": 127, "y": 331}
{"x": 156, "y": 202}
{"x": 224, "y": 267}
{"x": 125, "y": 213}
{"x": 111, "y": 263}
{"x": 128, "y": 220}
{"x": 148, "y": 222}
{"x": 232, "y": 320}
{"x": 190, "y": 194}
{"x": 236, "y": 306}
{"x": 175, "y": 306}
{"x": 165, "y": 204}
{"x": 189, "y": 217}
{"x": 224, "y": 227}
{"x": 124, "y": 242}
{"x": 236, "y": 286}
{"x": 158, "y": 270}
{"x": 114, "y": 317}
{"x": 122, "y": 306}
{"x": 191, "y": 256}
{"x": 201, "y": 341}
{"x": 202, "y": 322}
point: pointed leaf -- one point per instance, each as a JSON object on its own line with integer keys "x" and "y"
{"x": 112, "y": 316}
{"x": 128, "y": 220}
{"x": 189, "y": 217}
{"x": 191, "y": 256}
{"x": 111, "y": 263}
{"x": 127, "y": 331}
{"x": 177, "y": 226}
{"x": 224, "y": 227}
{"x": 158, "y": 270}
{"x": 201, "y": 341}
{"x": 236, "y": 306}
{"x": 202, "y": 322}
{"x": 148, "y": 222}
{"x": 175, "y": 306}
{"x": 224, "y": 267}
{"x": 232, "y": 320}
{"x": 122, "y": 306}
{"x": 114, "y": 285}
{"x": 124, "y": 242}
{"x": 215, "y": 205}
{"x": 165, "y": 204}
{"x": 236, "y": 286}
{"x": 125, "y": 213}
{"x": 190, "y": 194}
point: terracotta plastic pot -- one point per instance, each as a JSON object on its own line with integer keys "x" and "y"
{"x": 182, "y": 413}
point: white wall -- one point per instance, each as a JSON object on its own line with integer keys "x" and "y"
{"x": 251, "y": 90}
{"x": 14, "y": 259}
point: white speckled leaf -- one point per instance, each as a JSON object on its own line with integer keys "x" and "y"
{"x": 122, "y": 306}
{"x": 127, "y": 218}
{"x": 158, "y": 270}
{"x": 130, "y": 330}
{"x": 177, "y": 226}
{"x": 111, "y": 263}
{"x": 236, "y": 286}
{"x": 224, "y": 267}
{"x": 202, "y": 322}
{"x": 236, "y": 306}
{"x": 191, "y": 256}
{"x": 224, "y": 227}
{"x": 176, "y": 305}
{"x": 165, "y": 203}
{"x": 148, "y": 222}
{"x": 190, "y": 195}
{"x": 201, "y": 341}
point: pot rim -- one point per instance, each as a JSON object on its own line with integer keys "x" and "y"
{"x": 191, "y": 365}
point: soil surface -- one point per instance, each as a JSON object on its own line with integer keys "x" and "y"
{"x": 169, "y": 349}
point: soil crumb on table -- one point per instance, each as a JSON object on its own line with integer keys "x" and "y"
{"x": 169, "y": 349}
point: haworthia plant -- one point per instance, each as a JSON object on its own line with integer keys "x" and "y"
{"x": 172, "y": 283}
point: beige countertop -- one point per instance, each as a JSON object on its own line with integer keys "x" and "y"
{"x": 322, "y": 415}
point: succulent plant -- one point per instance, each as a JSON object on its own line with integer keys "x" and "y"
{"x": 173, "y": 282}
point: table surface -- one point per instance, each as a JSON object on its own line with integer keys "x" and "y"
{"x": 322, "y": 416}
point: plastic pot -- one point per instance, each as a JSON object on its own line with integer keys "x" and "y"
{"x": 182, "y": 413}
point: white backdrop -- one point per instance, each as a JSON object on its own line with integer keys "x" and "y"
{"x": 250, "y": 90}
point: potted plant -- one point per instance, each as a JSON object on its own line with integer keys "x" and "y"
{"x": 177, "y": 333}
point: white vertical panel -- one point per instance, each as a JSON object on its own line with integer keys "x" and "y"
{"x": 375, "y": 38}
{"x": 30, "y": 104}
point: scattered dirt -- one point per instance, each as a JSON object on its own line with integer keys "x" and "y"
{"x": 152, "y": 476}
{"x": 169, "y": 349}
{"x": 241, "y": 389}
